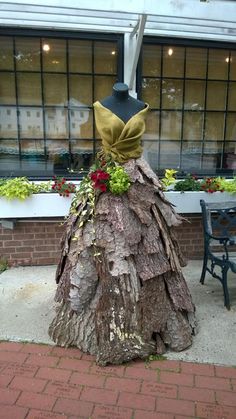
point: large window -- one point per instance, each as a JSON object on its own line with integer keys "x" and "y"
{"x": 191, "y": 90}
{"x": 47, "y": 87}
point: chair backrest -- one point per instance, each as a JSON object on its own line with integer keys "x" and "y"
{"x": 219, "y": 217}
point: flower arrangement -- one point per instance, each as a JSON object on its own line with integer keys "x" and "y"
{"x": 63, "y": 187}
{"x": 193, "y": 183}
{"x": 107, "y": 176}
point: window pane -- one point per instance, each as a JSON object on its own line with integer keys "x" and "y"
{"x": 55, "y": 89}
{"x": 230, "y": 155}
{"x": 31, "y": 122}
{"x": 82, "y": 154}
{"x": 151, "y": 60}
{"x": 214, "y": 130}
{"x": 6, "y": 53}
{"x": 28, "y": 54}
{"x": 152, "y": 126}
{"x": 81, "y": 123}
{"x": 105, "y": 57}
{"x": 80, "y": 56}
{"x": 29, "y": 89}
{"x": 151, "y": 92}
{"x": 103, "y": 86}
{"x": 169, "y": 154}
{"x": 58, "y": 155}
{"x": 56, "y": 123}
{"x": 191, "y": 156}
{"x": 7, "y": 89}
{"x": 193, "y": 126}
{"x": 172, "y": 94}
{"x": 9, "y": 160}
{"x": 233, "y": 65}
{"x": 8, "y": 122}
{"x": 211, "y": 155}
{"x": 196, "y": 60}
{"x": 173, "y": 61}
{"x": 81, "y": 90}
{"x": 54, "y": 55}
{"x": 218, "y": 66}
{"x": 150, "y": 153}
{"x": 194, "y": 95}
{"x": 170, "y": 125}
{"x": 231, "y": 127}
{"x": 232, "y": 97}
{"x": 33, "y": 149}
{"x": 216, "y": 95}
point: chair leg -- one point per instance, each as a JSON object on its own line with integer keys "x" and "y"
{"x": 225, "y": 287}
{"x": 204, "y": 266}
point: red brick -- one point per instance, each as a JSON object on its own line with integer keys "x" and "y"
{"x": 227, "y": 398}
{"x": 114, "y": 412}
{"x": 42, "y": 360}
{"x": 88, "y": 357}
{"x": 114, "y": 370}
{"x": 66, "y": 352}
{"x": 199, "y": 369}
{"x": 123, "y": 384}
{"x": 53, "y": 374}
{"x": 39, "y": 414}
{"x": 12, "y": 243}
{"x": 32, "y": 348}
{"x": 159, "y": 390}
{"x": 181, "y": 407}
{"x": 165, "y": 365}
{"x": 212, "y": 382}
{"x": 90, "y": 380}
{"x": 77, "y": 408}
{"x": 36, "y": 401}
{"x": 22, "y": 370}
{"x": 5, "y": 380}
{"x": 28, "y": 384}
{"x": 12, "y": 412}
{"x": 196, "y": 394}
{"x": 60, "y": 389}
{"x": 74, "y": 364}
{"x": 136, "y": 401}
{"x": 98, "y": 395}
{"x": 144, "y": 374}
{"x": 140, "y": 414}
{"x": 17, "y": 357}
{"x": 175, "y": 378}
{"x": 213, "y": 411}
{"x": 225, "y": 372}
{"x": 11, "y": 346}
{"x": 8, "y": 396}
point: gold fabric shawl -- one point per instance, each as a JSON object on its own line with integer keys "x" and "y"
{"x": 119, "y": 139}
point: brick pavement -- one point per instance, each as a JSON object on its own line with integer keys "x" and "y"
{"x": 46, "y": 382}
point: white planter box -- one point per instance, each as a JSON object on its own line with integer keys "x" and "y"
{"x": 189, "y": 202}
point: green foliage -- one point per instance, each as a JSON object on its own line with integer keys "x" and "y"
{"x": 228, "y": 185}
{"x": 190, "y": 183}
{"x": 119, "y": 181}
{"x": 21, "y": 188}
{"x": 169, "y": 178}
{"x": 3, "y": 265}
{"x": 211, "y": 184}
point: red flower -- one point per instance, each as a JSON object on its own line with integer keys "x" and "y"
{"x": 103, "y": 187}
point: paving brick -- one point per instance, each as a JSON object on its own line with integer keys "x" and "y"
{"x": 114, "y": 412}
{"x": 28, "y": 384}
{"x": 22, "y": 370}
{"x": 199, "y": 369}
{"x": 117, "y": 371}
{"x": 11, "y": 346}
{"x": 5, "y": 380}
{"x": 176, "y": 378}
{"x": 123, "y": 384}
{"x": 182, "y": 407}
{"x": 90, "y": 380}
{"x": 42, "y": 414}
{"x": 32, "y": 348}
{"x": 165, "y": 365}
{"x": 144, "y": 374}
{"x": 227, "y": 398}
{"x": 8, "y": 396}
{"x": 53, "y": 374}
{"x": 42, "y": 360}
{"x": 98, "y": 395}
{"x": 66, "y": 352}
{"x": 212, "y": 382}
{"x": 141, "y": 414}
{"x": 159, "y": 390}
{"x": 36, "y": 401}
{"x": 12, "y": 412}
{"x": 60, "y": 389}
{"x": 74, "y": 364}
{"x": 225, "y": 372}
{"x": 17, "y": 357}
{"x": 197, "y": 394}
{"x": 213, "y": 411}
{"x": 136, "y": 401}
{"x": 77, "y": 408}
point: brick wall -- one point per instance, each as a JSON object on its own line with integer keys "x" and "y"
{"x": 38, "y": 242}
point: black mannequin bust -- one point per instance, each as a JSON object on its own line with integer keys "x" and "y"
{"x": 121, "y": 103}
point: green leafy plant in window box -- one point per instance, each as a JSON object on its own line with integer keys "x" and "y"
{"x": 21, "y": 188}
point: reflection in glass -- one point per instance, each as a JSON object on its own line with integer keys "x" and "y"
{"x": 151, "y": 60}
{"x": 218, "y": 64}
{"x": 170, "y": 125}
{"x": 232, "y": 97}
{"x": 6, "y": 53}
{"x": 54, "y": 57}
{"x": 170, "y": 154}
{"x": 211, "y": 155}
{"x": 29, "y": 89}
{"x": 81, "y": 123}
{"x": 105, "y": 57}
{"x": 82, "y": 154}
{"x": 231, "y": 127}
{"x": 150, "y": 153}
{"x": 152, "y": 126}
{"x": 32, "y": 149}
{"x": 7, "y": 89}
{"x": 55, "y": 89}
{"x": 103, "y": 86}
{"x": 196, "y": 60}
{"x": 232, "y": 74}
{"x": 80, "y": 56}
{"x": 194, "y": 95}
{"x": 56, "y": 123}
{"x": 151, "y": 92}
{"x": 191, "y": 156}
{"x": 81, "y": 90}
{"x": 173, "y": 64}
{"x": 58, "y": 154}
{"x": 98, "y": 145}
{"x": 193, "y": 126}
{"x": 9, "y": 156}
{"x": 216, "y": 95}
{"x": 31, "y": 122}
{"x": 230, "y": 155}
{"x": 28, "y": 54}
{"x": 8, "y": 122}
{"x": 172, "y": 94}
{"x": 214, "y": 129}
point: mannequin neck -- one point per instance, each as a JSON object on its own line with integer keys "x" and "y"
{"x": 120, "y": 94}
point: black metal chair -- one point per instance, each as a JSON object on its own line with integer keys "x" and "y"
{"x": 219, "y": 225}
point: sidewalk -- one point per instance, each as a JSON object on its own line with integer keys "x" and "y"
{"x": 45, "y": 382}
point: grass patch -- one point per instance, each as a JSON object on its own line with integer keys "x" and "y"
{"x": 3, "y": 265}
